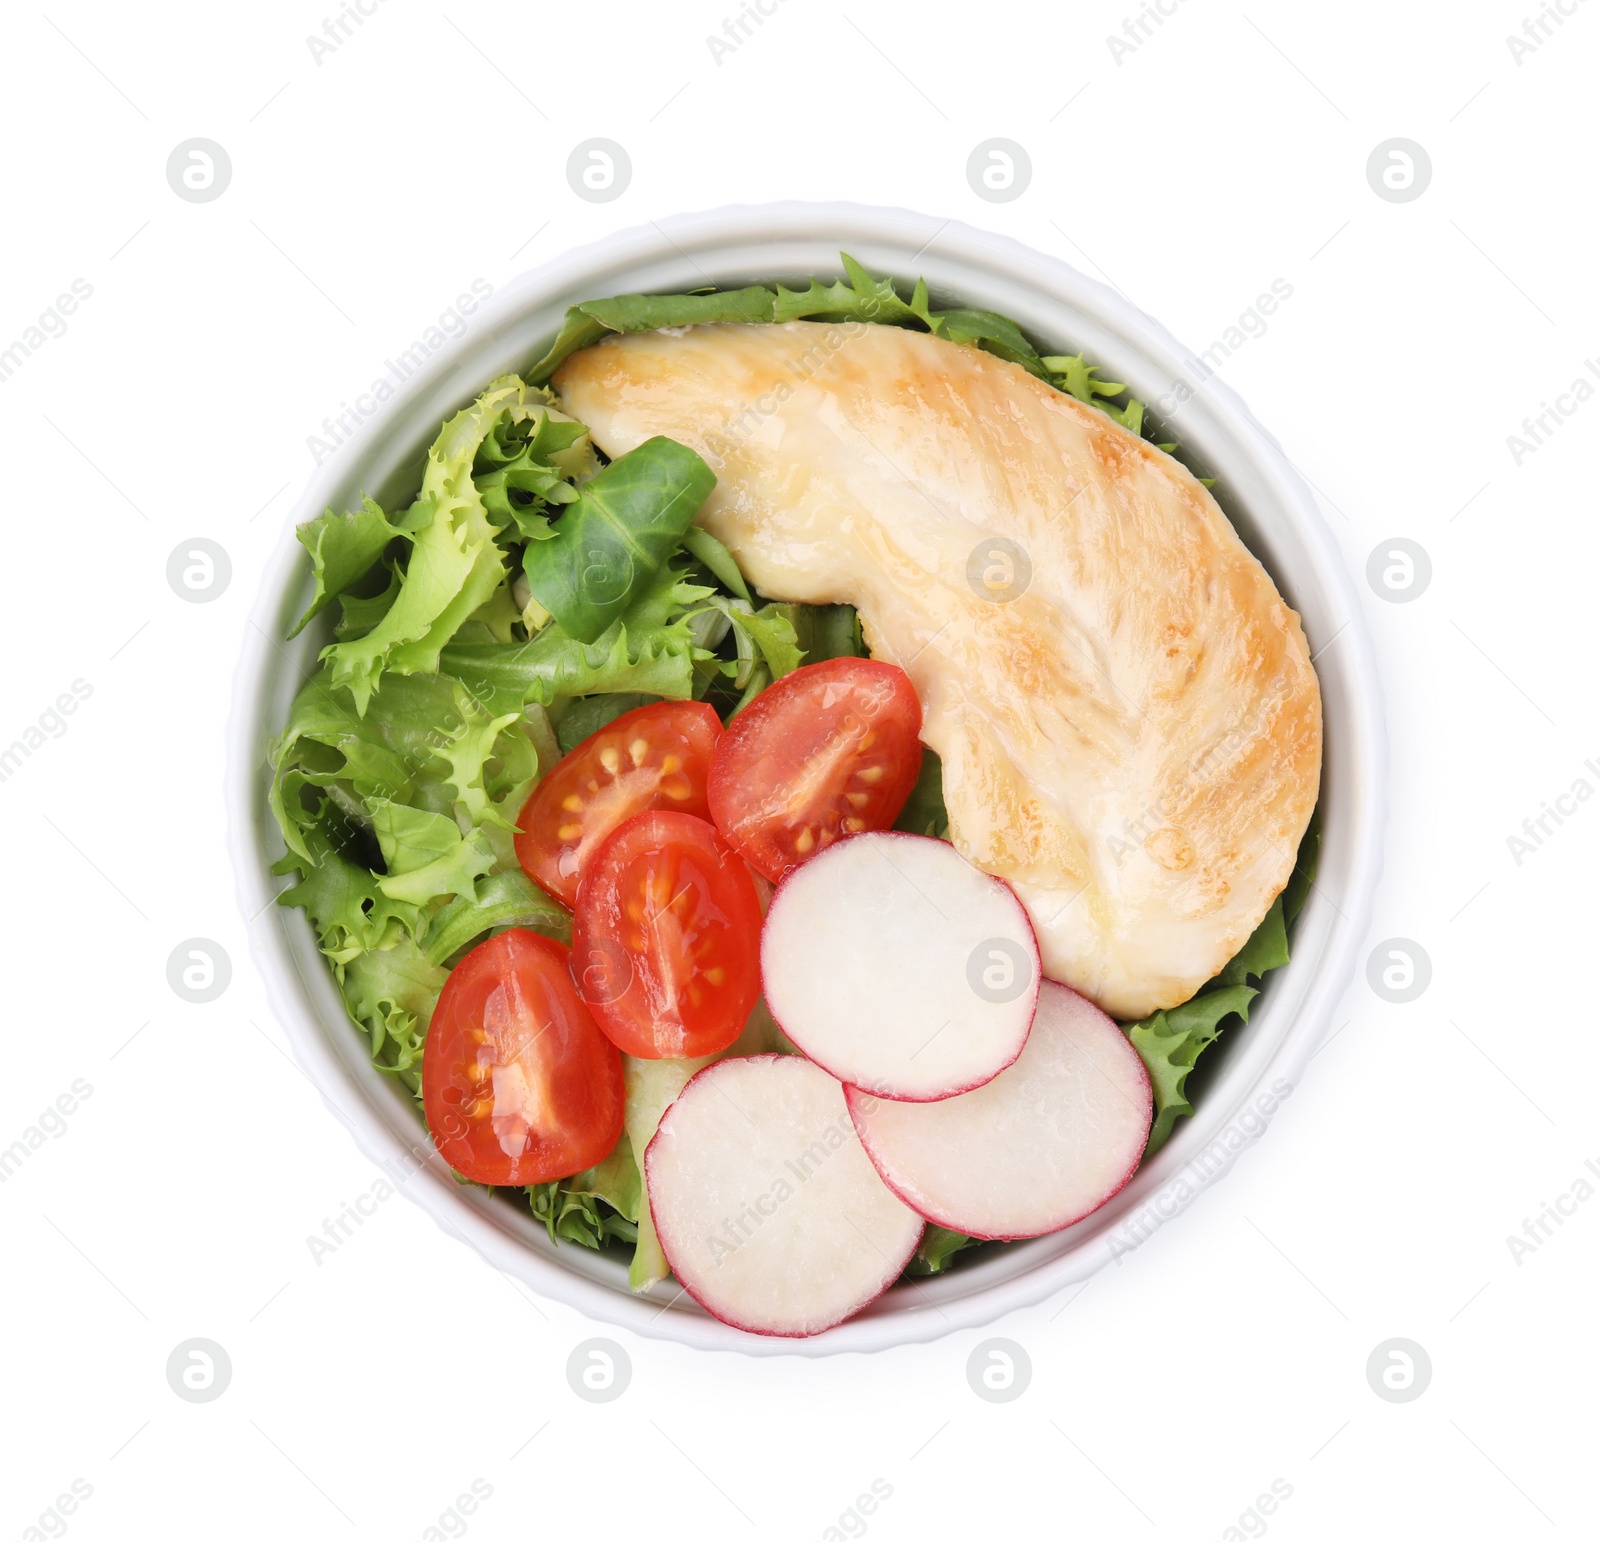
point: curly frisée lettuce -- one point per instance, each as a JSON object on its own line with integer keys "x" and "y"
{"x": 529, "y": 593}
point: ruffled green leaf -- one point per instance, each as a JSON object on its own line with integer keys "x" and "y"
{"x": 426, "y": 854}
{"x": 390, "y": 994}
{"x": 455, "y": 563}
{"x": 343, "y": 548}
{"x": 503, "y": 676}
{"x": 765, "y": 636}
{"x": 350, "y": 913}
{"x": 859, "y": 297}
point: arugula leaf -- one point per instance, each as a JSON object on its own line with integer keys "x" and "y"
{"x": 1072, "y": 374}
{"x": 455, "y": 563}
{"x": 657, "y": 660}
{"x": 862, "y": 298}
{"x": 647, "y": 312}
{"x": 343, "y": 548}
{"x": 503, "y": 899}
{"x": 627, "y": 521}
{"x": 589, "y": 322}
{"x": 578, "y": 330}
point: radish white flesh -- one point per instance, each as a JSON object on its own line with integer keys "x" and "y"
{"x": 1050, "y": 1139}
{"x": 899, "y": 967}
{"x": 765, "y": 1204}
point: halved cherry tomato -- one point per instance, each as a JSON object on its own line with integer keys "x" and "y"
{"x": 652, "y": 757}
{"x": 518, "y": 1084}
{"x": 826, "y": 752}
{"x": 666, "y": 938}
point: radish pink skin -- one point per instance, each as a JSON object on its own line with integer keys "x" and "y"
{"x": 948, "y": 1092}
{"x": 854, "y": 1095}
{"x": 666, "y": 1248}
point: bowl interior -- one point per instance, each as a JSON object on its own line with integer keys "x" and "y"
{"x": 1067, "y": 313}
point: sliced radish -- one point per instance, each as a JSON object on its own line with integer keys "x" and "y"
{"x": 899, "y": 967}
{"x": 765, "y": 1204}
{"x": 1050, "y": 1139}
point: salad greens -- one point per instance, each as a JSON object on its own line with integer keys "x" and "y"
{"x": 625, "y": 522}
{"x": 529, "y": 594}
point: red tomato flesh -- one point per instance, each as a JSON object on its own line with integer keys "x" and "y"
{"x": 824, "y": 753}
{"x": 518, "y": 1084}
{"x": 655, "y": 756}
{"x": 666, "y": 938}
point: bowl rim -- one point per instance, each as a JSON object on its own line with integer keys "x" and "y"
{"x": 1273, "y": 503}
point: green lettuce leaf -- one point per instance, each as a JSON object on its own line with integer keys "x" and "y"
{"x": 1267, "y": 948}
{"x": 405, "y": 748}
{"x": 508, "y": 898}
{"x": 390, "y": 995}
{"x": 1304, "y": 876}
{"x": 615, "y": 1179}
{"x": 350, "y": 913}
{"x": 571, "y": 1216}
{"x": 359, "y": 613}
{"x": 585, "y": 715}
{"x": 625, "y": 524}
{"x": 763, "y": 637}
{"x": 525, "y": 464}
{"x": 1170, "y": 1042}
{"x": 469, "y": 744}
{"x": 426, "y": 854}
{"x": 455, "y": 563}
{"x": 343, "y": 548}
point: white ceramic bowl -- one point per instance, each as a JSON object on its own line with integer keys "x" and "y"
{"x": 1250, "y": 1070}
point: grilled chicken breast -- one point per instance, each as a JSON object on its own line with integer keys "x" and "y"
{"x": 1125, "y": 708}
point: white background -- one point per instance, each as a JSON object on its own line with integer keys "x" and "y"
{"x": 428, "y": 150}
